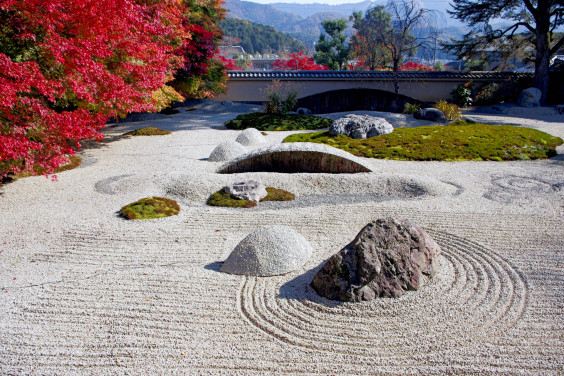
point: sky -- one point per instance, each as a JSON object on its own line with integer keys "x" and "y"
{"x": 334, "y": 2}
{"x": 331, "y": 2}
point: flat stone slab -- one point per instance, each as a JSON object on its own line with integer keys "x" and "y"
{"x": 296, "y": 157}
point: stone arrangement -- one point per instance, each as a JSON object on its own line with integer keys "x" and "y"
{"x": 268, "y": 251}
{"x": 431, "y": 114}
{"x": 227, "y": 151}
{"x": 250, "y": 137}
{"x": 530, "y": 97}
{"x": 387, "y": 258}
{"x": 247, "y": 190}
{"x": 360, "y": 126}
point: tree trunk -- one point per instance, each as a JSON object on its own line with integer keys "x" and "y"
{"x": 542, "y": 57}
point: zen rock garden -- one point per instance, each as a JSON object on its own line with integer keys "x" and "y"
{"x": 387, "y": 258}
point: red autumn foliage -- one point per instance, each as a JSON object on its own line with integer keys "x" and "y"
{"x": 229, "y": 64}
{"x": 410, "y": 66}
{"x": 298, "y": 61}
{"x": 68, "y": 65}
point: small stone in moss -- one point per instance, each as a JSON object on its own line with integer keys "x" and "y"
{"x": 149, "y": 208}
{"x": 224, "y": 199}
{"x": 147, "y": 131}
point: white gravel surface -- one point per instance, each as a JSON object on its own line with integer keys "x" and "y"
{"x": 84, "y": 292}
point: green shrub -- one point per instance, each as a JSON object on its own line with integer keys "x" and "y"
{"x": 147, "y": 131}
{"x": 410, "y": 109}
{"x": 277, "y": 104}
{"x": 451, "y": 111}
{"x": 278, "y": 122}
{"x": 460, "y": 141}
{"x": 149, "y": 208}
{"x": 462, "y": 94}
{"x": 224, "y": 199}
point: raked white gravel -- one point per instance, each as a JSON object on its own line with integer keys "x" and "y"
{"x": 85, "y": 292}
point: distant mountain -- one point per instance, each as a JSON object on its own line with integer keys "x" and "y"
{"x": 306, "y": 29}
{"x": 303, "y": 21}
{"x": 306, "y": 10}
{"x": 257, "y": 38}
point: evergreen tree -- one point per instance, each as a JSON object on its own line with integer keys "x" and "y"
{"x": 333, "y": 52}
{"x": 539, "y": 17}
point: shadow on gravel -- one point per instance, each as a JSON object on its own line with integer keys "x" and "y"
{"x": 214, "y": 266}
{"x": 299, "y": 289}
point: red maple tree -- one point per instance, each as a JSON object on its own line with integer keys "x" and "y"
{"x": 68, "y": 65}
{"x": 298, "y": 61}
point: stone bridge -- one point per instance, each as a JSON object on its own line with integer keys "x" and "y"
{"x": 331, "y": 91}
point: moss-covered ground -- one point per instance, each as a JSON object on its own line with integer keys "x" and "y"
{"x": 147, "y": 131}
{"x": 278, "y": 122}
{"x": 222, "y": 198}
{"x": 149, "y": 208}
{"x": 460, "y": 141}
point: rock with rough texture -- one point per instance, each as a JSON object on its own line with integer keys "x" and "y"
{"x": 530, "y": 97}
{"x": 227, "y": 151}
{"x": 247, "y": 190}
{"x": 250, "y": 137}
{"x": 431, "y": 114}
{"x": 360, "y": 126}
{"x": 270, "y": 250}
{"x": 387, "y": 258}
{"x": 303, "y": 111}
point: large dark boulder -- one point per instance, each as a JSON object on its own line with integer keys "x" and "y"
{"x": 431, "y": 114}
{"x": 387, "y": 258}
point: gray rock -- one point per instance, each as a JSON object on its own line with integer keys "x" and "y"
{"x": 227, "y": 151}
{"x": 303, "y": 111}
{"x": 250, "y": 137}
{"x": 270, "y": 250}
{"x": 360, "y": 126}
{"x": 387, "y": 258}
{"x": 560, "y": 109}
{"x": 247, "y": 190}
{"x": 530, "y": 97}
{"x": 431, "y": 114}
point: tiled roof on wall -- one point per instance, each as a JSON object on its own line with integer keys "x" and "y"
{"x": 379, "y": 75}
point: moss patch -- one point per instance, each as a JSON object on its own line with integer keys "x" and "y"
{"x": 460, "y": 141}
{"x": 277, "y": 122}
{"x": 149, "y": 208}
{"x": 275, "y": 194}
{"x": 74, "y": 162}
{"x": 224, "y": 199}
{"x": 147, "y": 131}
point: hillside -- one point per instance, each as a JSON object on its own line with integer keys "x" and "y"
{"x": 307, "y": 10}
{"x": 257, "y": 38}
{"x": 306, "y": 30}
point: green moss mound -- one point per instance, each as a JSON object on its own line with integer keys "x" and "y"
{"x": 224, "y": 199}
{"x": 460, "y": 141}
{"x": 149, "y": 208}
{"x": 277, "y": 122}
{"x": 148, "y": 131}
